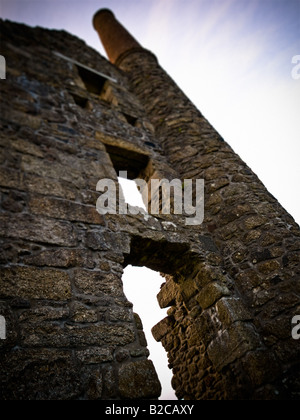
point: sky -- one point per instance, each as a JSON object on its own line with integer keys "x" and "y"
{"x": 235, "y": 59}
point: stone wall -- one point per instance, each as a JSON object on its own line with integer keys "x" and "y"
{"x": 245, "y": 305}
{"x": 71, "y": 119}
{"x": 71, "y": 333}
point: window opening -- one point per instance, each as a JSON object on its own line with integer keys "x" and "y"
{"x": 141, "y": 286}
{"x": 93, "y": 80}
{"x": 131, "y": 193}
{"x": 128, "y": 160}
{"x": 130, "y": 119}
{"x": 130, "y": 165}
{"x": 80, "y": 101}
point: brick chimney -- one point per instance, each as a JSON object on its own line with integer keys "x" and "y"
{"x": 114, "y": 37}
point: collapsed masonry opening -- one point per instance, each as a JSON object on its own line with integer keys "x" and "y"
{"x": 142, "y": 284}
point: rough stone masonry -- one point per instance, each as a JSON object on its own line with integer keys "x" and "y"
{"x": 69, "y": 118}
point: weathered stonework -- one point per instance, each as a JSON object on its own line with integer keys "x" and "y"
{"x": 232, "y": 283}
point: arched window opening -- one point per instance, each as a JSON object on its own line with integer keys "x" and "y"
{"x": 141, "y": 286}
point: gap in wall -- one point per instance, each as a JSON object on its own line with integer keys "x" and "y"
{"x": 131, "y": 193}
{"x": 93, "y": 82}
{"x": 141, "y": 286}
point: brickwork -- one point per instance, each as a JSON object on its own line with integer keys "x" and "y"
{"x": 232, "y": 283}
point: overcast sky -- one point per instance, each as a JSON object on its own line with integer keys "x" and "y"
{"x": 233, "y": 59}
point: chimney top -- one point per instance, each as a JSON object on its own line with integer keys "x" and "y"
{"x": 101, "y": 12}
{"x": 114, "y": 37}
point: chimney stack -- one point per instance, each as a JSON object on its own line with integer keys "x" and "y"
{"x": 114, "y": 37}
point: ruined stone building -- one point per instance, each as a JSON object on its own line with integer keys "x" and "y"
{"x": 70, "y": 118}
